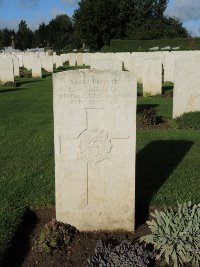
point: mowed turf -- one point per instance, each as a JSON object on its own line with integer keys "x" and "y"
{"x": 167, "y": 165}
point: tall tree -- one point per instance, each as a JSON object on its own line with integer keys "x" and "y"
{"x": 5, "y": 37}
{"x": 96, "y": 22}
{"x": 60, "y": 31}
{"x": 24, "y": 36}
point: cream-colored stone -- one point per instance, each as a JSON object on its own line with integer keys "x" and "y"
{"x": 72, "y": 59}
{"x": 16, "y": 66}
{"x": 107, "y": 64}
{"x": 58, "y": 60}
{"x": 138, "y": 66}
{"x": 65, "y": 57}
{"x": 152, "y": 77}
{"x": 87, "y": 59}
{"x": 95, "y": 136}
{"x": 79, "y": 59}
{"x": 186, "y": 86}
{"x": 47, "y": 63}
{"x": 37, "y": 68}
{"x": 6, "y": 69}
{"x": 20, "y": 58}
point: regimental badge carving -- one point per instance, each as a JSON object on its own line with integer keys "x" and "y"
{"x": 94, "y": 146}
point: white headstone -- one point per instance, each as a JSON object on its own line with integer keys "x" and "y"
{"x": 58, "y": 60}
{"x": 152, "y": 77}
{"x": 72, "y": 59}
{"x": 95, "y": 136}
{"x": 6, "y": 70}
{"x": 47, "y": 63}
{"x": 37, "y": 68}
{"x": 186, "y": 86}
{"x": 16, "y": 66}
{"x": 79, "y": 59}
{"x": 87, "y": 59}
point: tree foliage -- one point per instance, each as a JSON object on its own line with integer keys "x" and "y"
{"x": 24, "y": 36}
{"x": 99, "y": 21}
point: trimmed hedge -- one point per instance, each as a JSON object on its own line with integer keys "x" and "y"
{"x": 144, "y": 45}
{"x": 190, "y": 120}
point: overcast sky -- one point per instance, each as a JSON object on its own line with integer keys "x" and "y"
{"x": 37, "y": 11}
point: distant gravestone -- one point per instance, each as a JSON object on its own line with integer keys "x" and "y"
{"x": 152, "y": 77}
{"x": 155, "y": 48}
{"x": 37, "y": 68}
{"x": 138, "y": 67}
{"x": 20, "y": 58}
{"x": 106, "y": 64}
{"x": 16, "y": 66}
{"x": 186, "y": 86}
{"x": 72, "y": 59}
{"x": 6, "y": 70}
{"x": 166, "y": 48}
{"x": 47, "y": 63}
{"x": 58, "y": 60}
{"x": 79, "y": 59}
{"x": 94, "y": 135}
{"x": 87, "y": 59}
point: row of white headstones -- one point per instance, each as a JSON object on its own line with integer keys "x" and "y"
{"x": 95, "y": 133}
{"x": 181, "y": 68}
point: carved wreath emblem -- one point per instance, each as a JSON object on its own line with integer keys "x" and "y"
{"x": 94, "y": 146}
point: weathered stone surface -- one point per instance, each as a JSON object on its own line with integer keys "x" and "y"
{"x": 87, "y": 59}
{"x": 94, "y": 135}
{"x": 138, "y": 67}
{"x": 152, "y": 77}
{"x": 16, "y": 66}
{"x": 6, "y": 70}
{"x": 107, "y": 64}
{"x": 187, "y": 86}
{"x": 58, "y": 61}
{"x": 72, "y": 59}
{"x": 37, "y": 68}
{"x": 47, "y": 63}
{"x": 79, "y": 59}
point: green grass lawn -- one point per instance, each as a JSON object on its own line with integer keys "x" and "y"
{"x": 168, "y": 162}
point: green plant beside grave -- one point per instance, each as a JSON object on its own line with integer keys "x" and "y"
{"x": 190, "y": 120}
{"x": 55, "y": 235}
{"x": 176, "y": 235}
{"x": 149, "y": 117}
{"x": 124, "y": 254}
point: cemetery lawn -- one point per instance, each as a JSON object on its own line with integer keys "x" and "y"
{"x": 168, "y": 162}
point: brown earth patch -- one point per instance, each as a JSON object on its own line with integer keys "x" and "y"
{"x": 23, "y": 253}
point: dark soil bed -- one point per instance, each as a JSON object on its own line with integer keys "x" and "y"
{"x": 160, "y": 126}
{"x": 23, "y": 252}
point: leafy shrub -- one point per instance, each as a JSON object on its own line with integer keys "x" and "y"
{"x": 10, "y": 84}
{"x": 190, "y": 120}
{"x": 149, "y": 117}
{"x": 176, "y": 235}
{"x": 168, "y": 93}
{"x": 125, "y": 254}
{"x": 55, "y": 235}
{"x": 24, "y": 73}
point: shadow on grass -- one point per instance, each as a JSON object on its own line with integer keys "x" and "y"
{"x": 142, "y": 107}
{"x": 19, "y": 83}
{"x": 154, "y": 164}
{"x": 10, "y": 90}
{"x": 44, "y": 75}
{"x": 14, "y": 256}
